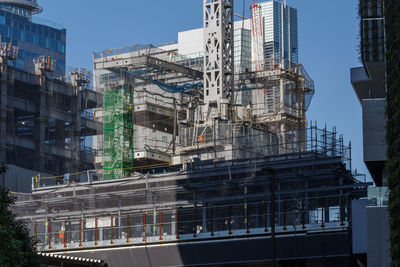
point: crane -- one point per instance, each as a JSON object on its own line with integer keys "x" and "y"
{"x": 257, "y": 44}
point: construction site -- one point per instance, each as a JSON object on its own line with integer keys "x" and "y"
{"x": 204, "y": 157}
{"x": 45, "y": 120}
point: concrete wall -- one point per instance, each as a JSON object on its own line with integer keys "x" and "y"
{"x": 378, "y": 234}
{"x": 192, "y": 41}
{"x": 374, "y": 131}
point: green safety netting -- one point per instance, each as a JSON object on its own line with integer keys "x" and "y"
{"x": 118, "y": 133}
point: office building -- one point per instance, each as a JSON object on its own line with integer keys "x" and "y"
{"x": 275, "y": 34}
{"x": 369, "y": 84}
{"x": 33, "y": 36}
{"x": 45, "y": 115}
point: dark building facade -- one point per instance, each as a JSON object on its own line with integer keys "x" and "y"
{"x": 370, "y": 86}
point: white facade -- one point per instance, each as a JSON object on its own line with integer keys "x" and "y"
{"x": 191, "y": 42}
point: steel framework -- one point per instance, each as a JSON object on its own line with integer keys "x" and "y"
{"x": 218, "y": 57}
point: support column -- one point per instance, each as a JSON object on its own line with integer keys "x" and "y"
{"x": 154, "y": 221}
{"x": 75, "y": 131}
{"x": 218, "y": 59}
{"x": 204, "y": 219}
{"x": 42, "y": 122}
{"x": 341, "y": 202}
{"x": 327, "y": 219}
{"x": 280, "y": 215}
{"x": 245, "y": 208}
{"x": 173, "y": 223}
{"x": 306, "y": 206}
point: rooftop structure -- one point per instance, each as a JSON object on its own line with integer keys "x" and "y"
{"x": 30, "y": 6}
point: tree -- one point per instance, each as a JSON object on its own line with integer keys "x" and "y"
{"x": 392, "y": 26}
{"x": 16, "y": 245}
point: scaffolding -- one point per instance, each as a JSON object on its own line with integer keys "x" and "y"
{"x": 118, "y": 130}
{"x": 213, "y": 143}
{"x": 183, "y": 160}
{"x": 202, "y": 199}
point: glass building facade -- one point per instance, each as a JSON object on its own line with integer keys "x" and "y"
{"x": 242, "y": 60}
{"x": 280, "y": 31}
{"x": 242, "y": 49}
{"x": 34, "y": 37}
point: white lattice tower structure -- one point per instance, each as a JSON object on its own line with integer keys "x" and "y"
{"x": 257, "y": 37}
{"x": 218, "y": 57}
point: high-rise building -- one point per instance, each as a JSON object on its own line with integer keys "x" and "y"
{"x": 279, "y": 31}
{"x": 369, "y": 84}
{"x": 44, "y": 121}
{"x": 33, "y": 36}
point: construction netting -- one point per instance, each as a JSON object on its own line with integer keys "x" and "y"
{"x": 118, "y": 132}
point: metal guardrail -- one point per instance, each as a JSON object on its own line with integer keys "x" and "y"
{"x": 182, "y": 224}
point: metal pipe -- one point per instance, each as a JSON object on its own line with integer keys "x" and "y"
{"x": 266, "y": 216}
{"x": 65, "y": 234}
{"x": 127, "y": 229}
{"x": 95, "y": 232}
{"x": 35, "y": 235}
{"x": 195, "y": 222}
{"x": 322, "y": 213}
{"x": 303, "y": 222}
{"x": 174, "y": 130}
{"x": 247, "y": 219}
{"x": 80, "y": 233}
{"x": 342, "y": 210}
{"x": 112, "y": 231}
{"x": 230, "y": 220}
{"x": 177, "y": 224}
{"x": 161, "y": 232}
{"x": 50, "y": 247}
{"x": 284, "y": 216}
{"x": 272, "y": 172}
{"x": 212, "y": 221}
{"x": 144, "y": 227}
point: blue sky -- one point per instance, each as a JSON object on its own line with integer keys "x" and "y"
{"x": 328, "y": 45}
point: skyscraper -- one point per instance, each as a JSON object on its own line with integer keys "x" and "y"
{"x": 279, "y": 31}
{"x": 33, "y": 36}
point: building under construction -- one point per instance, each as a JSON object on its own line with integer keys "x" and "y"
{"x": 204, "y": 165}
{"x": 44, "y": 122}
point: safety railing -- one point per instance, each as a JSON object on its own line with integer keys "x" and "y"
{"x": 235, "y": 138}
{"x": 312, "y": 139}
{"x": 201, "y": 222}
{"x": 140, "y": 49}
